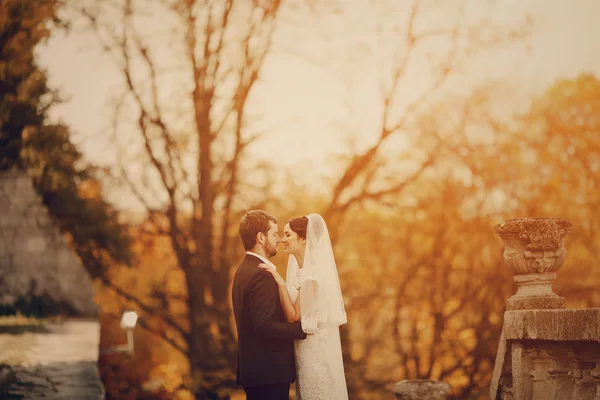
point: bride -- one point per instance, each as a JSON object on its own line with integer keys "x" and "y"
{"x": 311, "y": 294}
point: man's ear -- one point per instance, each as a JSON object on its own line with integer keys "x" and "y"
{"x": 260, "y": 238}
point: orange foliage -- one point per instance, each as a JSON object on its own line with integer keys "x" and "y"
{"x": 422, "y": 272}
{"x": 155, "y": 370}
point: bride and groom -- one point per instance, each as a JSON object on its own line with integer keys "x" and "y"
{"x": 288, "y": 330}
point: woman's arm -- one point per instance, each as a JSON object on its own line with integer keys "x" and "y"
{"x": 290, "y": 310}
{"x": 263, "y": 303}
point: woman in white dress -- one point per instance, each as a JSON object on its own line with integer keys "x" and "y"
{"x": 311, "y": 294}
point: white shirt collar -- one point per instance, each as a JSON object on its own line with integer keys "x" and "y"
{"x": 269, "y": 263}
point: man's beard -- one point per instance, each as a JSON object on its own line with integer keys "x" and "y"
{"x": 271, "y": 251}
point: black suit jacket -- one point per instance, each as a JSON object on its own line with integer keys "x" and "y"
{"x": 266, "y": 339}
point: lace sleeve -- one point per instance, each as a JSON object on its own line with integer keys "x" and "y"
{"x": 309, "y": 302}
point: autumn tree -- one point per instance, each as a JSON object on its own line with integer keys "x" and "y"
{"x": 29, "y": 141}
{"x": 186, "y": 85}
{"x": 401, "y": 149}
{"x": 559, "y": 135}
{"x": 431, "y": 296}
{"x": 542, "y": 162}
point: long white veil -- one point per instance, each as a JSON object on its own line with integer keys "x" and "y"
{"x": 321, "y": 301}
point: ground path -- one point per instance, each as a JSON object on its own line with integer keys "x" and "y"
{"x": 49, "y": 360}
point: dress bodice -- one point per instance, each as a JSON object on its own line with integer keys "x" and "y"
{"x": 315, "y": 380}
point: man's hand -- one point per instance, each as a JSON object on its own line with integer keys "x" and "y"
{"x": 278, "y": 279}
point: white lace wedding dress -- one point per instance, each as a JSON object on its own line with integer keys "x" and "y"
{"x": 319, "y": 366}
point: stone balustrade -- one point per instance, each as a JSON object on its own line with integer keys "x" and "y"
{"x": 545, "y": 352}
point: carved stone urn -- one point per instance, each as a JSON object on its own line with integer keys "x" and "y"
{"x": 421, "y": 389}
{"x": 534, "y": 250}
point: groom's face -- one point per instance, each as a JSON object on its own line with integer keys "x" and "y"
{"x": 271, "y": 239}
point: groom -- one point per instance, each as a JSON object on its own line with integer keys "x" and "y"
{"x": 266, "y": 365}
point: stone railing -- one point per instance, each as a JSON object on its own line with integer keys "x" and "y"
{"x": 545, "y": 352}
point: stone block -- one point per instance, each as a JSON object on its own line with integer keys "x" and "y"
{"x": 556, "y": 325}
{"x": 421, "y": 390}
{"x": 535, "y": 303}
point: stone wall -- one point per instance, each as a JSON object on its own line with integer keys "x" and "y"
{"x": 39, "y": 273}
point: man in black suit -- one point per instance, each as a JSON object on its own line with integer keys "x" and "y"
{"x": 266, "y": 365}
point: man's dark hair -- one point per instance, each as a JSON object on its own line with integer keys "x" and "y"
{"x": 251, "y": 224}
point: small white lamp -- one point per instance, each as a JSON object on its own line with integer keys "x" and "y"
{"x": 128, "y": 322}
{"x": 129, "y": 319}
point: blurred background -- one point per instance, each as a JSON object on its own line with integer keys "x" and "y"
{"x": 413, "y": 127}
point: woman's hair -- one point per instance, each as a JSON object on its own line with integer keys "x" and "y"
{"x": 299, "y": 225}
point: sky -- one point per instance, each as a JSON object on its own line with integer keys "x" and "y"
{"x": 303, "y": 94}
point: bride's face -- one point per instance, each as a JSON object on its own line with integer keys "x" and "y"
{"x": 292, "y": 243}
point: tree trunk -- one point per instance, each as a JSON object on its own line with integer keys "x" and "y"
{"x": 210, "y": 372}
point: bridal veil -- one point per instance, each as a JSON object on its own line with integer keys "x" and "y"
{"x": 321, "y": 301}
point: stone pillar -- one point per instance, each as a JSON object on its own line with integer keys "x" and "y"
{"x": 534, "y": 250}
{"x": 546, "y": 352}
{"x": 421, "y": 389}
